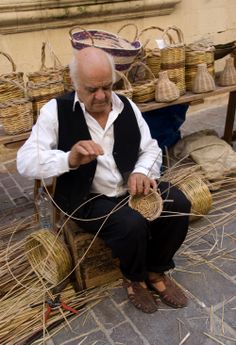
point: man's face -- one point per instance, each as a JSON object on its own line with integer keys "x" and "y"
{"x": 95, "y": 91}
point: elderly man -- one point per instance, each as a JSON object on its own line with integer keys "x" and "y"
{"x": 100, "y": 147}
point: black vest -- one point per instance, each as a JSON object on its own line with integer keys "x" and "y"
{"x": 72, "y": 188}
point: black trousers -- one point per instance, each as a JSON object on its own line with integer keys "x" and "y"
{"x": 140, "y": 245}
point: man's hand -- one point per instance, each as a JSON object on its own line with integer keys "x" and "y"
{"x": 83, "y": 152}
{"x": 140, "y": 184}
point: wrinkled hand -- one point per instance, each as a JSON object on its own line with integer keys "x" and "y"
{"x": 83, "y": 152}
{"x": 140, "y": 184}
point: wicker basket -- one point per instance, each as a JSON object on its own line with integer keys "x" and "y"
{"x": 195, "y": 57}
{"x": 150, "y": 206}
{"x": 16, "y": 115}
{"x": 48, "y": 256}
{"x": 143, "y": 90}
{"x": 152, "y": 55}
{"x": 45, "y": 74}
{"x": 68, "y": 85}
{"x": 123, "y": 86}
{"x": 173, "y": 57}
{"x": 123, "y": 51}
{"x": 198, "y": 193}
{"x": 9, "y": 91}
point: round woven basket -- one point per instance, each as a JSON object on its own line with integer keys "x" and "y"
{"x": 173, "y": 57}
{"x": 123, "y": 86}
{"x": 149, "y": 206}
{"x": 123, "y": 51}
{"x": 48, "y": 256}
{"x": 198, "y": 193}
{"x": 143, "y": 90}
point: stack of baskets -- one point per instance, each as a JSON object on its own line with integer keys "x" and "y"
{"x": 173, "y": 57}
{"x": 198, "y": 53}
{"x": 46, "y": 83}
{"x": 16, "y": 113}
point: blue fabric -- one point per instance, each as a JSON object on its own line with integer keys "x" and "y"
{"x": 164, "y": 123}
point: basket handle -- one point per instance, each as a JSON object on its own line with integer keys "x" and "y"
{"x": 130, "y": 24}
{"x": 56, "y": 61}
{"x": 9, "y": 58}
{"x": 154, "y": 28}
{"x": 14, "y": 82}
{"x": 139, "y": 63}
{"x": 81, "y": 29}
{"x": 179, "y": 33}
{"x": 126, "y": 81}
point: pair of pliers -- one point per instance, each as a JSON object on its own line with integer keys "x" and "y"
{"x": 55, "y": 304}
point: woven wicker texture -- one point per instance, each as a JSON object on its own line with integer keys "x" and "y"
{"x": 16, "y": 115}
{"x": 203, "y": 81}
{"x": 123, "y": 51}
{"x": 68, "y": 85}
{"x": 48, "y": 256}
{"x": 194, "y": 57}
{"x": 9, "y": 91}
{"x": 123, "y": 86}
{"x": 166, "y": 90}
{"x": 149, "y": 206}
{"x": 45, "y": 74}
{"x": 198, "y": 193}
{"x": 152, "y": 55}
{"x": 173, "y": 57}
{"x": 228, "y": 75}
{"x": 143, "y": 90}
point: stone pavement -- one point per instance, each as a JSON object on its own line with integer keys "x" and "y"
{"x": 205, "y": 269}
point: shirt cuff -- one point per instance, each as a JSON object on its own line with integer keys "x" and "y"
{"x": 145, "y": 172}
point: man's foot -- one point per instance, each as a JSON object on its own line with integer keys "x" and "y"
{"x": 140, "y": 297}
{"x": 168, "y": 291}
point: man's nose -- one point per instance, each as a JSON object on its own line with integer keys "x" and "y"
{"x": 100, "y": 94}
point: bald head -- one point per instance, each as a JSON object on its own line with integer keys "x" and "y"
{"x": 88, "y": 62}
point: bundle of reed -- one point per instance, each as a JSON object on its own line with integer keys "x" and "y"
{"x": 149, "y": 206}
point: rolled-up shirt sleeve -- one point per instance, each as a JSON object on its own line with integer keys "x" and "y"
{"x": 150, "y": 154}
{"x": 39, "y": 157}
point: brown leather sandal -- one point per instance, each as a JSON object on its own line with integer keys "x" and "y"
{"x": 172, "y": 295}
{"x": 141, "y": 298}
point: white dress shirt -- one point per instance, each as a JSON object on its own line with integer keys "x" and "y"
{"x": 39, "y": 157}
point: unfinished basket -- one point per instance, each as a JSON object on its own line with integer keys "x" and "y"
{"x": 45, "y": 74}
{"x": 143, "y": 90}
{"x": 149, "y": 206}
{"x": 123, "y": 51}
{"x": 198, "y": 193}
{"x": 173, "y": 57}
{"x": 48, "y": 256}
{"x": 16, "y": 115}
{"x": 9, "y": 91}
{"x": 123, "y": 86}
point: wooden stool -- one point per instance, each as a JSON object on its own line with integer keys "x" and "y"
{"x": 98, "y": 267}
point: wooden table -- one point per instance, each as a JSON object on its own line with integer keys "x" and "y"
{"x": 188, "y": 98}
{"x": 191, "y": 98}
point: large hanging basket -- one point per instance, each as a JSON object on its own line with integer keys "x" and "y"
{"x": 123, "y": 51}
{"x": 143, "y": 90}
{"x": 173, "y": 57}
{"x": 16, "y": 115}
{"x": 9, "y": 91}
{"x": 48, "y": 256}
{"x": 149, "y": 206}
